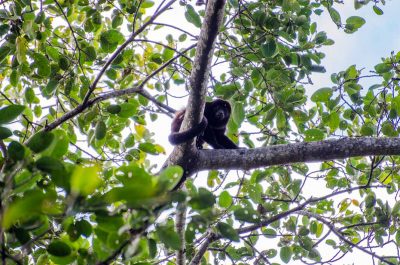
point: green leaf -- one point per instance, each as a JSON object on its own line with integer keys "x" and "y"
{"x": 10, "y": 113}
{"x": 268, "y": 49}
{"x": 59, "y": 248}
{"x": 169, "y": 178}
{"x": 322, "y": 95}
{"x": 53, "y": 53}
{"x": 84, "y": 227}
{"x": 14, "y": 78}
{"x": 383, "y": 68}
{"x": 85, "y": 180}
{"x": 377, "y": 10}
{"x": 314, "y": 135}
{"x": 247, "y": 215}
{"x": 388, "y": 130}
{"x": 335, "y": 16}
{"x": 225, "y": 199}
{"x": 114, "y": 109}
{"x": 21, "y": 45}
{"x": 51, "y": 166}
{"x": 238, "y": 113}
{"x": 169, "y": 237}
{"x": 192, "y": 16}
{"x": 16, "y": 151}
{"x": 33, "y": 202}
{"x": 29, "y": 95}
{"x": 4, "y": 52}
{"x": 370, "y": 200}
{"x": 42, "y": 64}
{"x": 202, "y": 200}
{"x": 228, "y": 231}
{"x": 59, "y": 146}
{"x": 286, "y": 254}
{"x": 90, "y": 53}
{"x": 101, "y": 130}
{"x": 110, "y": 39}
{"x": 127, "y": 110}
{"x": 40, "y": 141}
{"x": 356, "y": 22}
{"x": 269, "y": 233}
{"x": 4, "y": 133}
{"x": 367, "y": 129}
{"x": 147, "y": 4}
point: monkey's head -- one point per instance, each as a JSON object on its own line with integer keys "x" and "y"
{"x": 217, "y": 112}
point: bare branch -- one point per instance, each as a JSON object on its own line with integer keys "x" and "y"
{"x": 297, "y": 152}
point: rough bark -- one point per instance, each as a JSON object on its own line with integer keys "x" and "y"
{"x": 246, "y": 159}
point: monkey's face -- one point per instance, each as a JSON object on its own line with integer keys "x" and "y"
{"x": 218, "y": 112}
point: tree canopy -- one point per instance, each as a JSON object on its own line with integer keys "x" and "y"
{"x": 83, "y": 179}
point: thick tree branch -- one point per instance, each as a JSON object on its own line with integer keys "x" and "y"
{"x": 197, "y": 83}
{"x": 294, "y": 153}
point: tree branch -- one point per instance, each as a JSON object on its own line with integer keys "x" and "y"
{"x": 197, "y": 83}
{"x": 246, "y": 159}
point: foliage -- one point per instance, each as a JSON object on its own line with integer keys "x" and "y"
{"x": 82, "y": 79}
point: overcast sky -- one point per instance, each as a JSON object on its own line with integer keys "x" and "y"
{"x": 365, "y": 48}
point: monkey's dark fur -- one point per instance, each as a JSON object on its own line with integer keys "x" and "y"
{"x": 210, "y": 130}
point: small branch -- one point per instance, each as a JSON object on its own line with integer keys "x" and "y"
{"x": 203, "y": 248}
{"x": 139, "y": 89}
{"x": 180, "y": 221}
{"x": 122, "y": 47}
{"x": 343, "y": 238}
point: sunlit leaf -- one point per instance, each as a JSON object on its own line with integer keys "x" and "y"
{"x": 85, "y": 179}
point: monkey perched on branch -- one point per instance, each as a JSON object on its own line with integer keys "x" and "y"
{"x": 210, "y": 130}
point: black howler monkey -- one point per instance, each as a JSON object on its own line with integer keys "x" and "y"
{"x": 210, "y": 130}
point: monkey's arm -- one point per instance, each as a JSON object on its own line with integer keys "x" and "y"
{"x": 224, "y": 141}
{"x": 176, "y": 138}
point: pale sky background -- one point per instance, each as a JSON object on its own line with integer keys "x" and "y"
{"x": 365, "y": 48}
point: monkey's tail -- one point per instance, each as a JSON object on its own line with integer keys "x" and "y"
{"x": 176, "y": 138}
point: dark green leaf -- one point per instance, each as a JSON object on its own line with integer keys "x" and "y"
{"x": 40, "y": 141}
{"x": 247, "y": 215}
{"x": 114, "y": 109}
{"x": 59, "y": 248}
{"x": 4, "y": 51}
{"x": 4, "y": 133}
{"x": 203, "y": 199}
{"x": 51, "y": 166}
{"x": 16, "y": 151}
{"x": 228, "y": 231}
{"x": 42, "y": 64}
{"x": 83, "y": 227}
{"x": 169, "y": 237}
{"x": 101, "y": 130}
{"x": 268, "y": 49}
